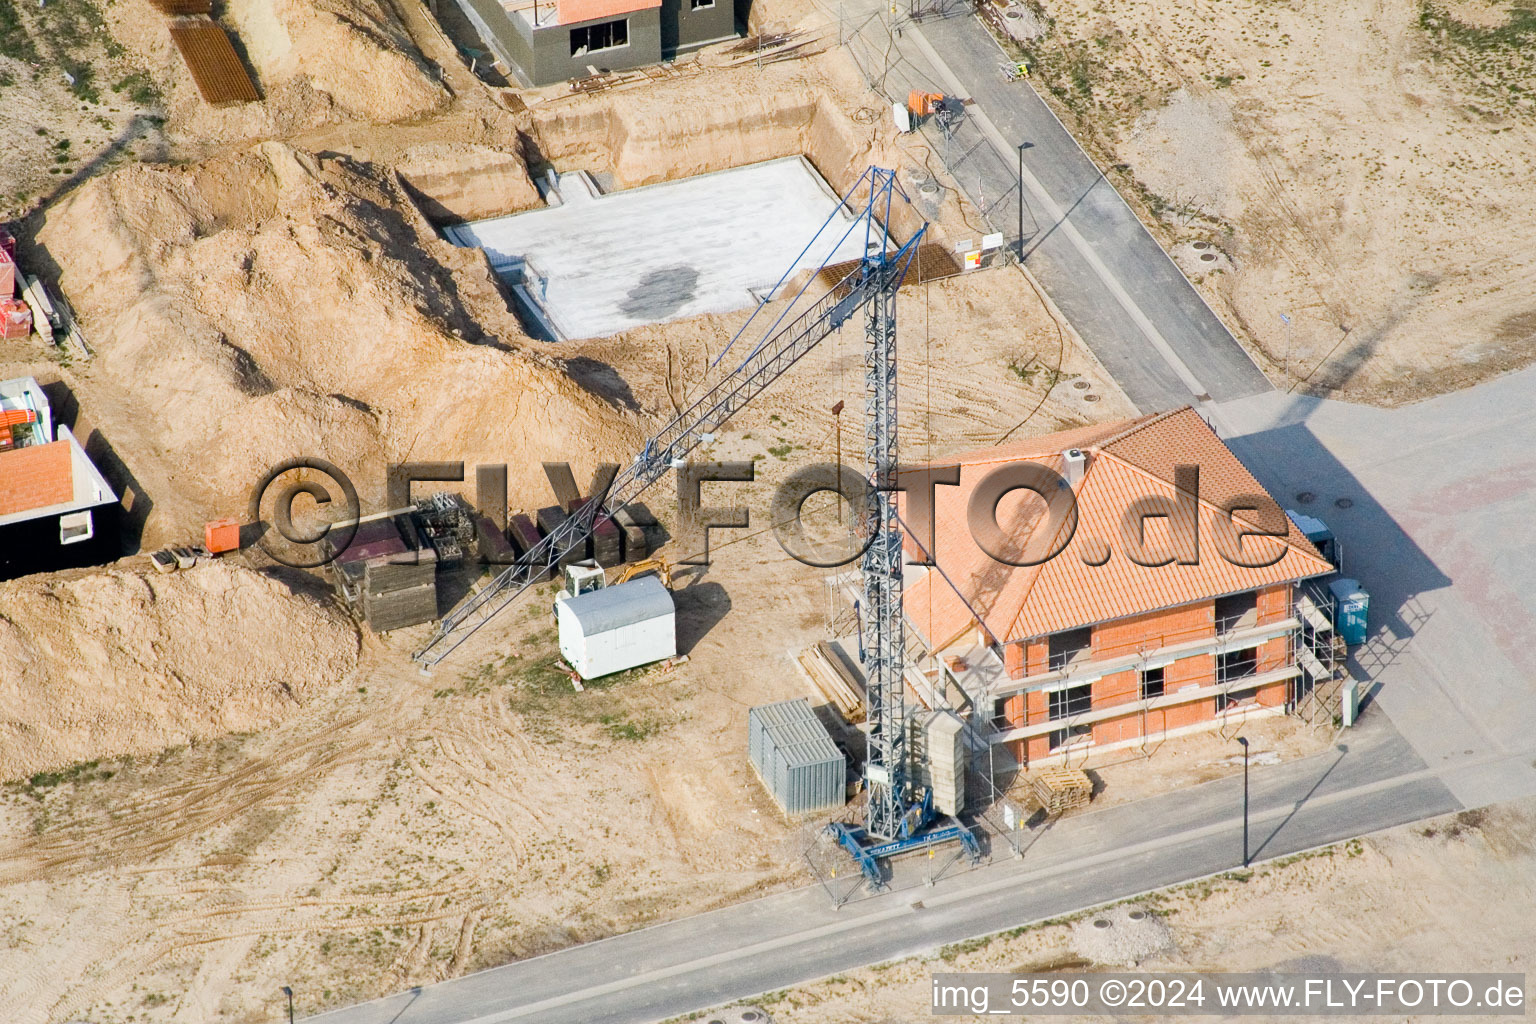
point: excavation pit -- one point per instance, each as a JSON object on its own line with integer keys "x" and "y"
{"x": 593, "y": 264}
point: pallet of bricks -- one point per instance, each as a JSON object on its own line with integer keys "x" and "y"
{"x": 1059, "y": 790}
{"x": 400, "y": 590}
{"x": 15, "y": 315}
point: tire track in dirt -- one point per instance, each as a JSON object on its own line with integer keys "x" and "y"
{"x": 150, "y": 828}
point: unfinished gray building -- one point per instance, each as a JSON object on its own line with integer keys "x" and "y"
{"x": 546, "y": 41}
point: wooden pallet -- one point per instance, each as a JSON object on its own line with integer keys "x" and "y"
{"x": 1061, "y": 789}
{"x": 215, "y": 66}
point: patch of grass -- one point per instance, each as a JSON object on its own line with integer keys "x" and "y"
{"x": 1497, "y": 61}
{"x": 15, "y": 40}
{"x": 139, "y": 88}
{"x": 85, "y": 771}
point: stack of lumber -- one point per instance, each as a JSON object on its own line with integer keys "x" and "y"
{"x": 399, "y": 593}
{"x": 834, "y": 680}
{"x": 1061, "y": 789}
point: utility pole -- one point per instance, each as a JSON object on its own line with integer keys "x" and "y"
{"x": 289, "y": 993}
{"x": 1244, "y": 741}
{"x": 1021, "y": 203}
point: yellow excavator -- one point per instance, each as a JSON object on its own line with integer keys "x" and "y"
{"x": 660, "y": 566}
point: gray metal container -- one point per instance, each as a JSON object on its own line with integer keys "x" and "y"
{"x": 795, "y": 758}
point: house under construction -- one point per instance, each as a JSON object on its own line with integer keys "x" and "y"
{"x": 1092, "y": 649}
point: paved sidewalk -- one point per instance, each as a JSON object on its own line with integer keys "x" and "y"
{"x": 1124, "y": 296}
{"x": 1373, "y": 781}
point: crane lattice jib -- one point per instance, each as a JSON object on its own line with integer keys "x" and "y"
{"x": 784, "y": 346}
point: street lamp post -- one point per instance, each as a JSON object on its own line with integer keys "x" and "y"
{"x": 1243, "y": 740}
{"x": 1021, "y": 203}
{"x": 289, "y": 993}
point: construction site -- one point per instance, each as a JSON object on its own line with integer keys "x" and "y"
{"x": 407, "y": 561}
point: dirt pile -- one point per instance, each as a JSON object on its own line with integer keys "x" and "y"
{"x": 270, "y": 304}
{"x": 99, "y": 664}
{"x": 314, "y": 62}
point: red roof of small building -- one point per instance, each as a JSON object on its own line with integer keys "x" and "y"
{"x": 1127, "y": 461}
{"x": 569, "y": 12}
{"x": 35, "y": 477}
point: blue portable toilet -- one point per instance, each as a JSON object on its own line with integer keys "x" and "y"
{"x": 1351, "y": 607}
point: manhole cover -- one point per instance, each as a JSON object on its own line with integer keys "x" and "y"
{"x": 1011, "y": 14}
{"x": 929, "y": 189}
{"x": 1208, "y": 257}
{"x": 1081, "y": 385}
{"x": 1101, "y": 923}
{"x": 1345, "y": 503}
{"x": 1090, "y": 398}
{"x": 1305, "y": 497}
{"x": 1137, "y": 915}
{"x": 1202, "y": 245}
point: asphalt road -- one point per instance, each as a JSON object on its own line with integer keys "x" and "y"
{"x": 1124, "y": 296}
{"x": 1375, "y": 782}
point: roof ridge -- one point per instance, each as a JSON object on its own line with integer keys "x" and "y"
{"x": 1145, "y": 422}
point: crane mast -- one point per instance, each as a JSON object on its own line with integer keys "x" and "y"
{"x": 896, "y": 818}
{"x": 885, "y": 770}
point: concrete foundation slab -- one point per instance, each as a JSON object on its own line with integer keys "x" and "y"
{"x": 595, "y": 265}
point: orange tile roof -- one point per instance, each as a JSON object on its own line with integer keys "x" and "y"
{"x": 35, "y": 477}
{"x": 1127, "y": 461}
{"x": 569, "y": 12}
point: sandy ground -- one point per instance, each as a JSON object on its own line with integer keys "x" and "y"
{"x": 279, "y": 286}
{"x": 1359, "y": 167}
{"x": 1396, "y": 901}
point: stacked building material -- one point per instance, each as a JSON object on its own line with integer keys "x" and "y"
{"x": 606, "y": 539}
{"x": 550, "y": 519}
{"x": 7, "y": 275}
{"x": 399, "y": 590}
{"x": 1061, "y": 789}
{"x": 211, "y": 58}
{"x": 15, "y": 319}
{"x": 8, "y": 243}
{"x": 635, "y": 544}
{"x": 834, "y": 680}
{"x": 938, "y": 758}
{"x": 525, "y": 535}
{"x": 179, "y": 8}
{"x": 491, "y": 544}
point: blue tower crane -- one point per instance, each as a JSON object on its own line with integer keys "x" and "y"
{"x": 897, "y": 818}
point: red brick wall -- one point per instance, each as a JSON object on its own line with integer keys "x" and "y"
{"x": 1274, "y": 603}
{"x": 1039, "y": 656}
{"x": 1116, "y": 689}
{"x": 35, "y": 477}
{"x": 1154, "y": 629}
{"x": 1013, "y": 660}
{"x": 1272, "y": 654}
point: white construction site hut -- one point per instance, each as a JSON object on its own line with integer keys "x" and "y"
{"x": 617, "y": 628}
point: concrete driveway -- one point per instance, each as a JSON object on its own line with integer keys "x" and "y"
{"x": 1438, "y": 503}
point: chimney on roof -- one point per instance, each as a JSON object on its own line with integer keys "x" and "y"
{"x": 1075, "y": 462}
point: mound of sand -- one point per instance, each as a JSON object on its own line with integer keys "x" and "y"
{"x": 270, "y": 304}
{"x": 100, "y": 664}
{"x": 314, "y": 62}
